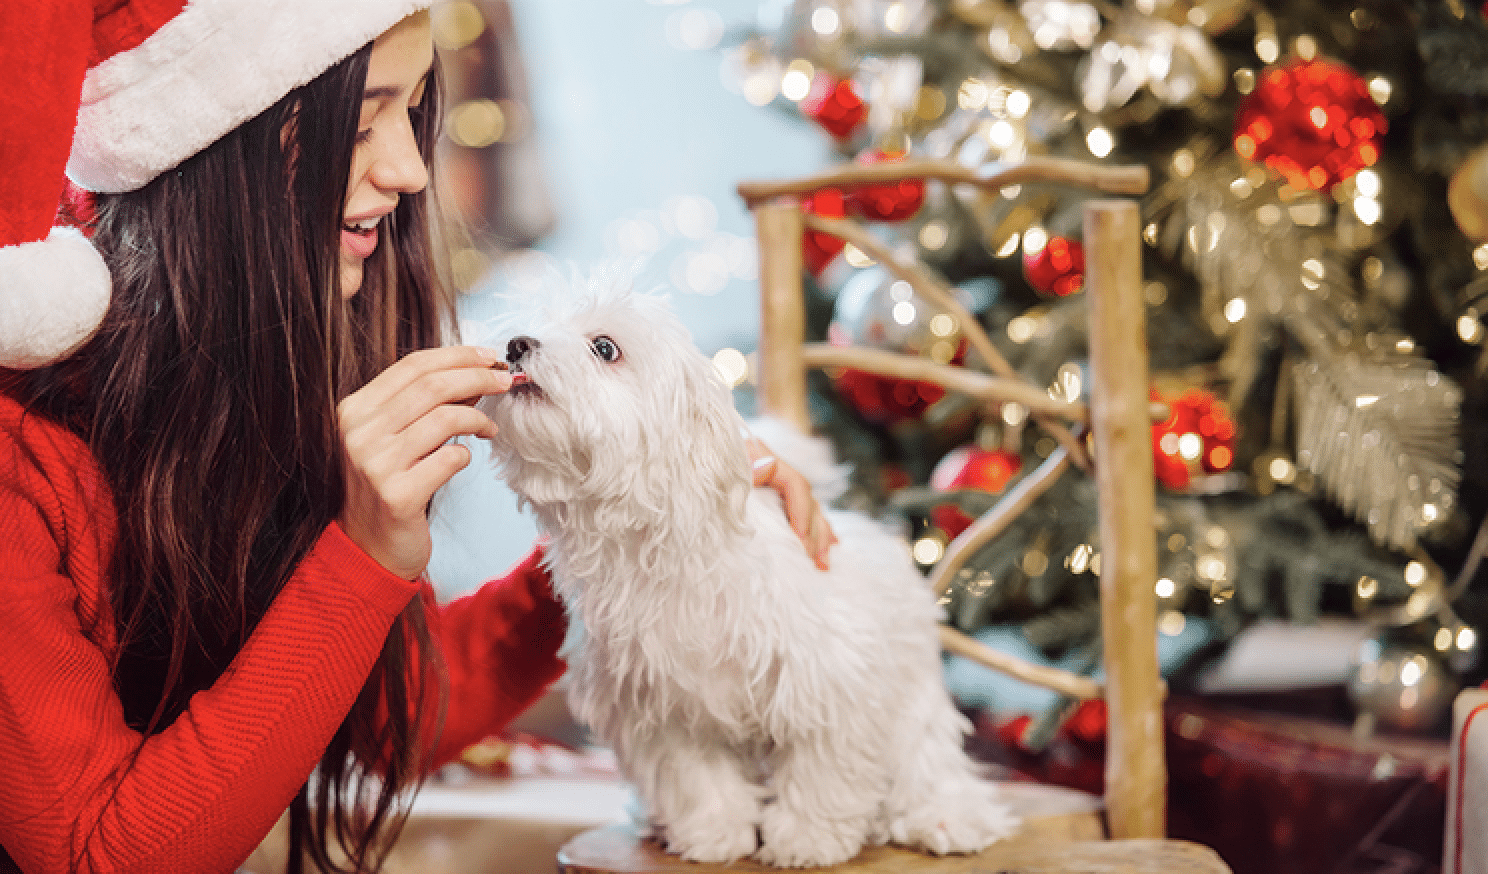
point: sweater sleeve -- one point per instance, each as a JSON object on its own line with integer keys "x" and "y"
{"x": 78, "y": 790}
{"x": 500, "y": 648}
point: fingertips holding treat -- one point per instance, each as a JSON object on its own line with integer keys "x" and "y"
{"x": 504, "y": 380}
{"x": 492, "y": 358}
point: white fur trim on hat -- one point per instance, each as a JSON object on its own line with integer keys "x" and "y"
{"x": 214, "y": 66}
{"x": 53, "y": 294}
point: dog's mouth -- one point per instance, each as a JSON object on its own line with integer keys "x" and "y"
{"x": 522, "y": 384}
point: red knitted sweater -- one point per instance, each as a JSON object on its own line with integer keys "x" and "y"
{"x": 205, "y": 791}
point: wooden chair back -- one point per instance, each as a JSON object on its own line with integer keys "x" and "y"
{"x": 1118, "y": 418}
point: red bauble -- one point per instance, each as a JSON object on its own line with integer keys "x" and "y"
{"x": 1311, "y": 121}
{"x": 1198, "y": 436}
{"x": 882, "y": 400}
{"x": 969, "y": 467}
{"x": 1088, "y": 722}
{"x": 876, "y": 311}
{"x": 1058, "y": 268}
{"x": 818, "y": 249}
{"x": 835, "y": 105}
{"x": 950, "y": 519}
{"x": 972, "y": 467}
{"x": 888, "y": 201}
{"x": 1012, "y": 732}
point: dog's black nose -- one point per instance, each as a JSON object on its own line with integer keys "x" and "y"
{"x": 518, "y": 348}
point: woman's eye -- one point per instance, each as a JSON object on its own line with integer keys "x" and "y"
{"x": 605, "y": 349}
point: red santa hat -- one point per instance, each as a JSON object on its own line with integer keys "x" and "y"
{"x": 112, "y": 93}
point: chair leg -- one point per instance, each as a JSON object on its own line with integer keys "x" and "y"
{"x": 1136, "y": 777}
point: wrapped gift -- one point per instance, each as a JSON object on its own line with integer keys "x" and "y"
{"x": 1465, "y": 849}
{"x": 1275, "y": 792}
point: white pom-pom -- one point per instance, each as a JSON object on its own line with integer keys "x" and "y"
{"x": 53, "y": 295}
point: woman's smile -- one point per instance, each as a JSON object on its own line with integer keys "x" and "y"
{"x": 359, "y": 239}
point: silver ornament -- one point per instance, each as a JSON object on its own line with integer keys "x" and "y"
{"x": 1400, "y": 687}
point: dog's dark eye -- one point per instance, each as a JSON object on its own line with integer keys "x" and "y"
{"x": 605, "y": 349}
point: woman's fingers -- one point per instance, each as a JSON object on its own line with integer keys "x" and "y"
{"x": 802, "y": 510}
{"x": 421, "y": 381}
{"x": 425, "y": 477}
{"x": 764, "y": 469}
{"x": 398, "y": 434}
{"x": 820, "y": 537}
{"x": 435, "y": 428}
{"x": 422, "y": 395}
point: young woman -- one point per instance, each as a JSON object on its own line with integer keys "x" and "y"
{"x": 213, "y": 515}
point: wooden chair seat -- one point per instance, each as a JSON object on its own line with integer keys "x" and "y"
{"x": 618, "y": 850}
{"x": 1063, "y": 831}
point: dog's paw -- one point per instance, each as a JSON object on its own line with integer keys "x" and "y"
{"x": 714, "y": 843}
{"x": 954, "y": 828}
{"x": 793, "y": 841}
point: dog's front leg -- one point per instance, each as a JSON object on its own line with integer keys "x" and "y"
{"x": 827, "y": 805}
{"x": 704, "y": 795}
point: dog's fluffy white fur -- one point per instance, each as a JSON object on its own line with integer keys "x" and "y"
{"x": 760, "y": 706}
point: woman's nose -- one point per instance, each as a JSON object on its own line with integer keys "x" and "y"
{"x": 400, "y": 167}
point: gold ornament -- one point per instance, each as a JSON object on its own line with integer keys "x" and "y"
{"x": 1467, "y": 195}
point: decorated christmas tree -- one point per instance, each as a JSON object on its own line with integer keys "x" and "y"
{"x": 1315, "y": 266}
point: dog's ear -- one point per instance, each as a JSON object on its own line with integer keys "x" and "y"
{"x": 718, "y": 455}
{"x": 698, "y": 464}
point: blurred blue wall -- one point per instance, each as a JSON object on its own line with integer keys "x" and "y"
{"x": 642, "y": 146}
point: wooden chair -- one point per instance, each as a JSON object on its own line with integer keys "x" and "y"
{"x": 1118, "y": 419}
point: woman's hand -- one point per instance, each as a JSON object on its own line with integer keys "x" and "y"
{"x": 801, "y": 507}
{"x": 397, "y": 431}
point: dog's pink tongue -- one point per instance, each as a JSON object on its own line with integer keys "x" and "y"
{"x": 519, "y": 378}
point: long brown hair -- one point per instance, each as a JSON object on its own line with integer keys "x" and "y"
{"x": 208, "y": 397}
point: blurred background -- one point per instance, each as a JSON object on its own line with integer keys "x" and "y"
{"x": 600, "y": 129}
{"x": 1315, "y": 269}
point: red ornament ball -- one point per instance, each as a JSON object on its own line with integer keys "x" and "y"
{"x": 874, "y": 310}
{"x": 969, "y": 467}
{"x": 1311, "y": 121}
{"x": 972, "y": 467}
{"x": 1198, "y": 436}
{"x": 950, "y": 519}
{"x": 818, "y": 249}
{"x": 1088, "y": 722}
{"x": 888, "y": 201}
{"x": 882, "y": 400}
{"x": 1012, "y": 731}
{"x": 835, "y": 105}
{"x": 1058, "y": 268}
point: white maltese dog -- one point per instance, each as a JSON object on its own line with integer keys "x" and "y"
{"x": 760, "y": 706}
